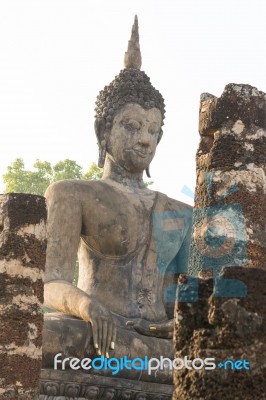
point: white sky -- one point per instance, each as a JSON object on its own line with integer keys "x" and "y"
{"x": 55, "y": 56}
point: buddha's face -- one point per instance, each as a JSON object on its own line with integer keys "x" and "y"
{"x": 133, "y": 138}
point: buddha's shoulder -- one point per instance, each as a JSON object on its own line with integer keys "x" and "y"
{"x": 169, "y": 204}
{"x": 66, "y": 186}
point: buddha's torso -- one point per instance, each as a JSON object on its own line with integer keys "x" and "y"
{"x": 118, "y": 250}
{"x": 118, "y": 221}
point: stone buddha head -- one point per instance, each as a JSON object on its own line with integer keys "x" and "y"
{"x": 129, "y": 114}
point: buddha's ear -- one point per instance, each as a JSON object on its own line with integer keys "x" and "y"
{"x": 147, "y": 170}
{"x": 160, "y": 136}
{"x": 99, "y": 127}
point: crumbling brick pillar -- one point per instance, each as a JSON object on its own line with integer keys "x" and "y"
{"x": 221, "y": 303}
{"x": 22, "y": 261}
{"x": 231, "y": 180}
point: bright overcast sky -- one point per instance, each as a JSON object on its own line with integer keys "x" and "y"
{"x": 55, "y": 56}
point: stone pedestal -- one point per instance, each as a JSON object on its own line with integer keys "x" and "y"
{"x": 22, "y": 261}
{"x": 220, "y": 311}
{"x": 75, "y": 385}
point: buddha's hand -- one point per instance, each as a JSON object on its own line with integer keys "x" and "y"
{"x": 163, "y": 330}
{"x": 103, "y": 326}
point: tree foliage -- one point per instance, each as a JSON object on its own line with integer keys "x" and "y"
{"x": 94, "y": 172}
{"x": 20, "y": 180}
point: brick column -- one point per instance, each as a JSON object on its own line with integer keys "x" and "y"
{"x": 221, "y": 304}
{"x": 22, "y": 261}
{"x": 231, "y": 180}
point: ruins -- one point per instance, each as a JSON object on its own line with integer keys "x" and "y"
{"x": 128, "y": 278}
{"x": 22, "y": 261}
{"x": 222, "y": 313}
{"x": 131, "y": 242}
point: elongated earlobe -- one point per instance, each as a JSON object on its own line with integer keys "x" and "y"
{"x": 160, "y": 136}
{"x": 99, "y": 127}
{"x": 102, "y": 154}
{"x": 148, "y": 172}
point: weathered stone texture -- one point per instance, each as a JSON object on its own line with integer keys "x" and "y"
{"x": 228, "y": 252}
{"x": 224, "y": 328}
{"x": 22, "y": 260}
{"x": 231, "y": 173}
{"x": 74, "y": 385}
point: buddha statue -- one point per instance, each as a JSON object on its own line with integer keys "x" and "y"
{"x": 132, "y": 242}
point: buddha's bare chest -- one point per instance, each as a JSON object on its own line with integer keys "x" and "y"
{"x": 117, "y": 224}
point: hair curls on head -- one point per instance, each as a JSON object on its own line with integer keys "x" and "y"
{"x": 130, "y": 86}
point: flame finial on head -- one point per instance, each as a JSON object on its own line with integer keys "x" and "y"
{"x": 131, "y": 85}
{"x": 132, "y": 57}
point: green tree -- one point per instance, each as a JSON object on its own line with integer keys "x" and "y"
{"x": 20, "y": 180}
{"x": 67, "y": 169}
{"x": 94, "y": 172}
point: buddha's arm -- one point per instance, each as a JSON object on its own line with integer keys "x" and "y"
{"x": 65, "y": 297}
{"x": 178, "y": 265}
{"x": 64, "y": 229}
{"x": 63, "y": 232}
